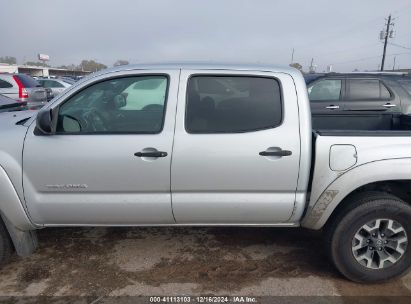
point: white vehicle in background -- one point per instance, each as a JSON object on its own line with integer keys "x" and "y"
{"x": 56, "y": 85}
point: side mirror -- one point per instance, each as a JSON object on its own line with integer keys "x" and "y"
{"x": 44, "y": 121}
{"x": 69, "y": 124}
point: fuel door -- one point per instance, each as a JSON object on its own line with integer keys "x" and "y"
{"x": 342, "y": 157}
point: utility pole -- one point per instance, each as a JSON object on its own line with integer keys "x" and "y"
{"x": 292, "y": 57}
{"x": 393, "y": 66}
{"x": 385, "y": 34}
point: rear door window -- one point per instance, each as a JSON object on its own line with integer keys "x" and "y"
{"x": 367, "y": 89}
{"x": 232, "y": 104}
{"x": 325, "y": 90}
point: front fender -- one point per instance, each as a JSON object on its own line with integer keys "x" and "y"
{"x": 381, "y": 170}
{"x": 10, "y": 205}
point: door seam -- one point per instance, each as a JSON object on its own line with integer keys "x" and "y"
{"x": 172, "y": 145}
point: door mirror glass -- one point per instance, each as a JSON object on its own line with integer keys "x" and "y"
{"x": 44, "y": 121}
{"x": 70, "y": 124}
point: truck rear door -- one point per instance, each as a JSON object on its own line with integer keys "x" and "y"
{"x": 236, "y": 148}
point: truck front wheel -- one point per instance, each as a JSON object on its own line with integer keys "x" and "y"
{"x": 369, "y": 241}
{"x": 6, "y": 247}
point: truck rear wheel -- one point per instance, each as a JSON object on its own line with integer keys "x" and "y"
{"x": 6, "y": 247}
{"x": 369, "y": 240}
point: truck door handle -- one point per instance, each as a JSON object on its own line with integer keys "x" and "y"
{"x": 276, "y": 153}
{"x": 151, "y": 154}
{"x": 389, "y": 105}
{"x": 332, "y": 107}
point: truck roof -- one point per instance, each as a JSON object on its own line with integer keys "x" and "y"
{"x": 204, "y": 66}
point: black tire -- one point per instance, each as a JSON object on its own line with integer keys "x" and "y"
{"x": 359, "y": 210}
{"x": 6, "y": 247}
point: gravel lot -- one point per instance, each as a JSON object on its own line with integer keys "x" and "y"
{"x": 174, "y": 261}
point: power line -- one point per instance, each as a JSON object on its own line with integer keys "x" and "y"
{"x": 346, "y": 31}
{"x": 401, "y": 46}
{"x": 371, "y": 57}
{"x": 402, "y": 10}
{"x": 354, "y": 29}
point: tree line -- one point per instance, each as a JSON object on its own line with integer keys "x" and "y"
{"x": 85, "y": 65}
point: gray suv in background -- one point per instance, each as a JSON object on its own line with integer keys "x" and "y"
{"x": 23, "y": 88}
{"x": 353, "y": 100}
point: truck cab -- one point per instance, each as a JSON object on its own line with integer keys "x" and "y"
{"x": 136, "y": 143}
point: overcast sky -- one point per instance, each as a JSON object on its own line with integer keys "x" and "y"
{"x": 343, "y": 33}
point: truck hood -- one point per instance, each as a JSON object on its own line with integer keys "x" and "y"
{"x": 9, "y": 119}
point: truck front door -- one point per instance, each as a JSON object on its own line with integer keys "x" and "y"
{"x": 108, "y": 162}
{"x": 237, "y": 148}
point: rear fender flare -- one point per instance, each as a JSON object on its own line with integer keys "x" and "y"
{"x": 381, "y": 170}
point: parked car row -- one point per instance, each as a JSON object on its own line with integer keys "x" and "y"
{"x": 342, "y": 100}
{"x": 29, "y": 93}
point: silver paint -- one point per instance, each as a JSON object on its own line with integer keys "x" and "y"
{"x": 201, "y": 180}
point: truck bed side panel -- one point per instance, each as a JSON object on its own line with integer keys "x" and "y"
{"x": 377, "y": 159}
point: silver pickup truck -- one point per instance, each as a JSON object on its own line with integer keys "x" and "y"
{"x": 186, "y": 144}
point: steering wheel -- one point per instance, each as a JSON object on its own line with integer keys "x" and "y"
{"x": 93, "y": 121}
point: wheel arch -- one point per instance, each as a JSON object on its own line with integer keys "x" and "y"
{"x": 15, "y": 218}
{"x": 11, "y": 206}
{"x": 391, "y": 176}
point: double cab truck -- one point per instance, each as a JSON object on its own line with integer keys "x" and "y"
{"x": 205, "y": 145}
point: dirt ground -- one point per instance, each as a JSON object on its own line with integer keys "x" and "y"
{"x": 99, "y": 262}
